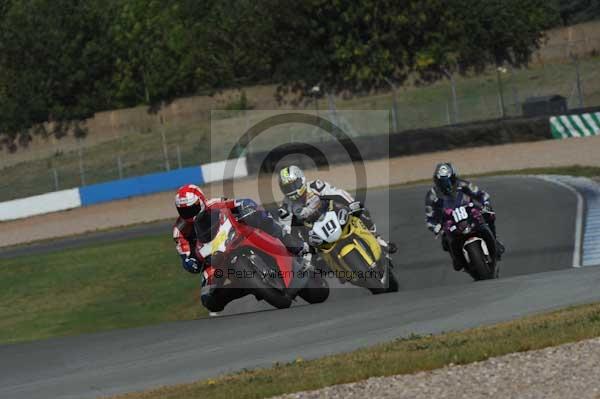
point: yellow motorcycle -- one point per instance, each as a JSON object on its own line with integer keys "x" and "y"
{"x": 352, "y": 252}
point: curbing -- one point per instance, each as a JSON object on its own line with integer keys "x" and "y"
{"x": 587, "y": 230}
{"x": 577, "y": 125}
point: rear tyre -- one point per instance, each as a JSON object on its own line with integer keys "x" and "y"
{"x": 478, "y": 267}
{"x": 393, "y": 285}
{"x": 316, "y": 290}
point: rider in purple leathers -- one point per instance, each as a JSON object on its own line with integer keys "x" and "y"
{"x": 447, "y": 184}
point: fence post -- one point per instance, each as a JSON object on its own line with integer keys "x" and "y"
{"x": 454, "y": 100}
{"x": 81, "y": 167}
{"x": 55, "y": 176}
{"x": 247, "y": 127}
{"x": 164, "y": 144}
{"x": 178, "y": 156}
{"x": 450, "y": 76}
{"x": 394, "y": 105}
{"x": 499, "y": 71}
{"x": 578, "y": 73}
{"x": 332, "y": 109}
{"x": 120, "y": 166}
{"x": 314, "y": 92}
{"x": 515, "y": 92}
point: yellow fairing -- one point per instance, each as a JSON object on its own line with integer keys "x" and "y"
{"x": 354, "y": 237}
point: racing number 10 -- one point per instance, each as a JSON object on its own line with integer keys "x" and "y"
{"x": 328, "y": 228}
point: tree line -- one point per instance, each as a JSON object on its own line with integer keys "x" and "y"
{"x": 64, "y": 60}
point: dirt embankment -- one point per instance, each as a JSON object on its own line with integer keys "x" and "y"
{"x": 379, "y": 173}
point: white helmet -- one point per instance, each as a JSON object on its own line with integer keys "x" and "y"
{"x": 292, "y": 182}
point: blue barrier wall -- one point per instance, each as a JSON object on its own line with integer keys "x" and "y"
{"x": 141, "y": 185}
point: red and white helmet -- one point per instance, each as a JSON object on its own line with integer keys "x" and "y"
{"x": 190, "y": 202}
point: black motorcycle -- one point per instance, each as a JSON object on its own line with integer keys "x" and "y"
{"x": 464, "y": 221}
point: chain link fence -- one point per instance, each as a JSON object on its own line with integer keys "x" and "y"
{"x": 177, "y": 143}
{"x": 501, "y": 92}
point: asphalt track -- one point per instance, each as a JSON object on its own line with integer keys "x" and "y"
{"x": 536, "y": 222}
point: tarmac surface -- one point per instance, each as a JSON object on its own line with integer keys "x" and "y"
{"x": 536, "y": 221}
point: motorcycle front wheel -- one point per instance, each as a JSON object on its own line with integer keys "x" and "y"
{"x": 316, "y": 290}
{"x": 479, "y": 268}
{"x": 264, "y": 281}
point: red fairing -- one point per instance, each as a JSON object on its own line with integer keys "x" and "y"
{"x": 250, "y": 237}
{"x": 220, "y": 203}
{"x": 270, "y": 245}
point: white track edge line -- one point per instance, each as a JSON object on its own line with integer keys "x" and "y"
{"x": 578, "y": 216}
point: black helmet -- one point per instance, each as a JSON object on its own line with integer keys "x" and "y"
{"x": 444, "y": 177}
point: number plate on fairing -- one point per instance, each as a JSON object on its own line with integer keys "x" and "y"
{"x": 328, "y": 228}
{"x": 460, "y": 214}
{"x": 218, "y": 243}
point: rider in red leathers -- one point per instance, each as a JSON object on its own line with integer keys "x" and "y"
{"x": 197, "y": 225}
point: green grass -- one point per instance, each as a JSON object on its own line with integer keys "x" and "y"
{"x": 124, "y": 284}
{"x": 141, "y": 150}
{"x": 401, "y": 356}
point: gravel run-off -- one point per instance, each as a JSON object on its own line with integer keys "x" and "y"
{"x": 566, "y": 371}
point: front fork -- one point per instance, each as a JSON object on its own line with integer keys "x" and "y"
{"x": 456, "y": 244}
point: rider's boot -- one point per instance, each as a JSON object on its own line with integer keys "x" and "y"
{"x": 457, "y": 263}
{"x": 500, "y": 248}
{"x": 387, "y": 246}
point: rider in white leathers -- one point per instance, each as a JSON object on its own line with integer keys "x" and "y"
{"x": 302, "y": 203}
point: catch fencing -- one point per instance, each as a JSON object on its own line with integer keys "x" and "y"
{"x": 166, "y": 142}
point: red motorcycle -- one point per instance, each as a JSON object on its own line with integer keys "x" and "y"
{"x": 249, "y": 259}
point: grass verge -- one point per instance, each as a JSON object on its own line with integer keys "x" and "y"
{"x": 402, "y": 356}
{"x": 122, "y": 284}
{"x": 102, "y": 287}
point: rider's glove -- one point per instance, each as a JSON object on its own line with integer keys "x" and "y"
{"x": 437, "y": 229}
{"x": 355, "y": 206}
{"x": 314, "y": 239}
{"x": 245, "y": 211}
{"x": 305, "y": 248}
{"x": 191, "y": 265}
